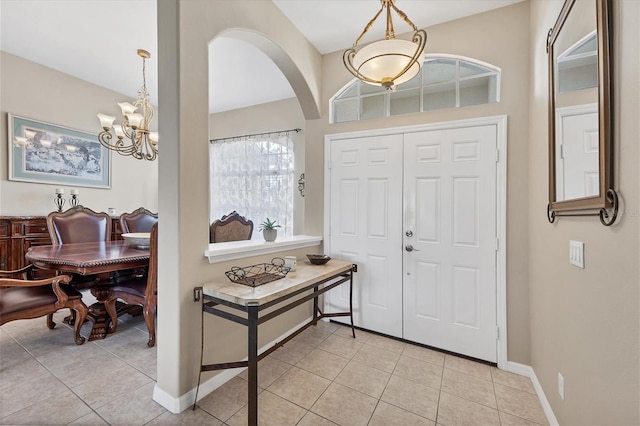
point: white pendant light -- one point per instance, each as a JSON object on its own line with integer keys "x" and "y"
{"x": 388, "y": 62}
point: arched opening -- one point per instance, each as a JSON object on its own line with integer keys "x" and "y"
{"x": 254, "y": 166}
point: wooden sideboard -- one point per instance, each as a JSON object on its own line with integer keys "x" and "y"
{"x": 18, "y": 233}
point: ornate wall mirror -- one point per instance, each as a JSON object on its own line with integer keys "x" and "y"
{"x": 580, "y": 151}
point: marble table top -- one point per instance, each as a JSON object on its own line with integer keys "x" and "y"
{"x": 305, "y": 275}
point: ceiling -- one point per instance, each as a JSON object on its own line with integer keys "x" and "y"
{"x": 96, "y": 40}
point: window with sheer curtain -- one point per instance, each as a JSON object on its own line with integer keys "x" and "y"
{"x": 254, "y": 176}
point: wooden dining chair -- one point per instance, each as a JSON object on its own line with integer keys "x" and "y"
{"x": 78, "y": 225}
{"x": 139, "y": 220}
{"x": 231, "y": 227}
{"x": 140, "y": 290}
{"x": 21, "y": 298}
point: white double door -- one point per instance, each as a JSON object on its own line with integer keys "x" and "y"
{"x": 417, "y": 213}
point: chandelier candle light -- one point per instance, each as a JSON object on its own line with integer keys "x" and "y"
{"x": 388, "y": 62}
{"x": 140, "y": 142}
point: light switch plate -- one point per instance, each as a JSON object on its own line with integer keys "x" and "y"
{"x": 576, "y": 253}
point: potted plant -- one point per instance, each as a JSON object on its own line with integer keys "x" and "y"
{"x": 269, "y": 230}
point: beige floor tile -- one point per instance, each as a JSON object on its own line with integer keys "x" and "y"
{"x": 27, "y": 393}
{"x": 467, "y": 366}
{"x": 386, "y": 343}
{"x": 419, "y": 399}
{"x": 519, "y": 403}
{"x": 225, "y": 401}
{"x": 424, "y": 354}
{"x": 506, "y": 378}
{"x": 272, "y": 410}
{"x": 376, "y": 357}
{"x": 60, "y": 408}
{"x": 80, "y": 368}
{"x": 510, "y": 420}
{"x": 312, "y": 419}
{"x": 419, "y": 371}
{"x": 345, "y": 406}
{"x": 390, "y": 415}
{"x": 100, "y": 391}
{"x": 19, "y": 369}
{"x": 345, "y": 331}
{"x": 135, "y": 408}
{"x": 300, "y": 387}
{"x": 187, "y": 418}
{"x": 363, "y": 379}
{"x": 458, "y": 411}
{"x": 292, "y": 352}
{"x": 91, "y": 419}
{"x": 312, "y": 336}
{"x": 323, "y": 364}
{"x": 327, "y": 326}
{"x": 346, "y": 347}
{"x": 469, "y": 387}
{"x": 269, "y": 369}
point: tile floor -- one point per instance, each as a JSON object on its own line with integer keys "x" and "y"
{"x": 322, "y": 377}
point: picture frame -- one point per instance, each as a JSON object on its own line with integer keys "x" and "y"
{"x": 41, "y": 152}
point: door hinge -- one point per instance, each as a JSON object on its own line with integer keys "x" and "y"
{"x": 497, "y": 333}
{"x": 329, "y": 164}
{"x": 497, "y": 244}
{"x": 497, "y": 155}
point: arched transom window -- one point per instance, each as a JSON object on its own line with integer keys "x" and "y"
{"x": 445, "y": 82}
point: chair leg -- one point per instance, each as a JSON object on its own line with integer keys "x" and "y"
{"x": 110, "y": 307}
{"x": 80, "y": 310}
{"x": 149, "y": 314}
{"x": 50, "y": 322}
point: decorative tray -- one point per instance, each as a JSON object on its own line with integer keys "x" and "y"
{"x": 261, "y": 273}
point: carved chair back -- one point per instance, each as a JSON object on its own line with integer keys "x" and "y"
{"x": 231, "y": 227}
{"x": 139, "y": 220}
{"x": 78, "y": 225}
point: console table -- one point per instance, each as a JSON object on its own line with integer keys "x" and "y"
{"x": 308, "y": 282}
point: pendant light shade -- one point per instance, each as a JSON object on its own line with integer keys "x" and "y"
{"x": 388, "y": 62}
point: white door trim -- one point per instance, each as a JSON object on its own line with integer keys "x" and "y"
{"x": 501, "y": 204}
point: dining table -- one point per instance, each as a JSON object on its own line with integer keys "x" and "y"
{"x": 107, "y": 260}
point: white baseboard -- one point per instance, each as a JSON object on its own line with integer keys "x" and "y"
{"x": 181, "y": 403}
{"x": 525, "y": 370}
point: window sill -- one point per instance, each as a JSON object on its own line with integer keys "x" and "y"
{"x": 222, "y": 252}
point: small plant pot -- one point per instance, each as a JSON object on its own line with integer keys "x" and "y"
{"x": 270, "y": 235}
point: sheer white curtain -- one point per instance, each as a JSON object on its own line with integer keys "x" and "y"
{"x": 255, "y": 177}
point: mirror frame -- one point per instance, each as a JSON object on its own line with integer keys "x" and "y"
{"x": 606, "y": 197}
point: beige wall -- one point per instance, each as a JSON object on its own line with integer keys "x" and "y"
{"x": 584, "y": 322}
{"x": 33, "y": 91}
{"x": 185, "y": 30}
{"x": 481, "y": 37}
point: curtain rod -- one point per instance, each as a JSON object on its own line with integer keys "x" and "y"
{"x": 255, "y": 134}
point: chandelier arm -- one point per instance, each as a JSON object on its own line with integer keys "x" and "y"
{"x": 347, "y": 59}
{"x": 369, "y": 25}
{"x": 404, "y": 16}
{"x": 389, "y": 33}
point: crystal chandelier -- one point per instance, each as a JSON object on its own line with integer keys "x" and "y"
{"x": 134, "y": 137}
{"x": 388, "y": 62}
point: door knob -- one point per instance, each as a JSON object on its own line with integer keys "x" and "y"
{"x": 409, "y": 233}
{"x": 410, "y": 248}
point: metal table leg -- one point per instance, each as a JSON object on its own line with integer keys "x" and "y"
{"x": 253, "y": 364}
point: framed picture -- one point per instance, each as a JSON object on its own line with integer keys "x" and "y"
{"x": 46, "y": 153}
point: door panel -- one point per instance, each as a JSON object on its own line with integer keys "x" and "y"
{"x": 441, "y": 186}
{"x": 450, "y": 206}
{"x": 366, "y": 228}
